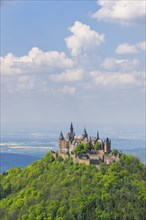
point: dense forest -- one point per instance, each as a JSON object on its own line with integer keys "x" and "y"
{"x": 57, "y": 189}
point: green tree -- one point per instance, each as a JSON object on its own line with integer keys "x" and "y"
{"x": 115, "y": 151}
{"x": 81, "y": 149}
{"x": 97, "y": 146}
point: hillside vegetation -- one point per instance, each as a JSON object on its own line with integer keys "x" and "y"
{"x": 57, "y": 189}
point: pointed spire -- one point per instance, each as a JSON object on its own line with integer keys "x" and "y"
{"x": 85, "y": 135}
{"x": 85, "y": 132}
{"x": 61, "y": 137}
{"x": 71, "y": 128}
{"x": 107, "y": 140}
{"x": 97, "y": 135}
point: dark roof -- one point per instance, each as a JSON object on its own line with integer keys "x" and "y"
{"x": 61, "y": 136}
{"x": 71, "y": 128}
{"x": 85, "y": 132}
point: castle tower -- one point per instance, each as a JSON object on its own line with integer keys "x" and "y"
{"x": 71, "y": 134}
{"x": 63, "y": 144}
{"x": 107, "y": 145}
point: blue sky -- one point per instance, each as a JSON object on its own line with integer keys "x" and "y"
{"x": 79, "y": 61}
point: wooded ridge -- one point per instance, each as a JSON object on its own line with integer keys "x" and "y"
{"x": 57, "y": 189}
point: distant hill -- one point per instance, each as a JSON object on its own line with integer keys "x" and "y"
{"x": 57, "y": 189}
{"x": 9, "y": 160}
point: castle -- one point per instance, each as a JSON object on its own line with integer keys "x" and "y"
{"x": 98, "y": 150}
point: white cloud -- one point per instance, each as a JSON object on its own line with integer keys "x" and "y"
{"x": 50, "y": 58}
{"x": 122, "y": 11}
{"x": 130, "y": 49}
{"x": 111, "y": 79}
{"x": 69, "y": 90}
{"x": 68, "y": 75}
{"x": 83, "y": 39}
{"x": 46, "y": 71}
{"x": 120, "y": 64}
{"x": 35, "y": 61}
{"x": 126, "y": 49}
{"x": 7, "y": 65}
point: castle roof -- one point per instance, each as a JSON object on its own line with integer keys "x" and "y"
{"x": 71, "y": 128}
{"x": 85, "y": 132}
{"x": 61, "y": 137}
{"x": 84, "y": 135}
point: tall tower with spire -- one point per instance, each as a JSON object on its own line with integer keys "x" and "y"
{"x": 63, "y": 144}
{"x": 71, "y": 128}
{"x": 71, "y": 134}
{"x": 85, "y": 135}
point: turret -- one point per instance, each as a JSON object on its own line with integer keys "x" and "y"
{"x": 70, "y": 136}
{"x": 97, "y": 136}
{"x": 107, "y": 145}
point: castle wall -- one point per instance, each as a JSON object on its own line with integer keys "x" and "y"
{"x": 64, "y": 156}
{"x": 71, "y": 148}
{"x": 100, "y": 152}
{"x": 63, "y": 146}
{"x": 108, "y": 159}
{"x": 96, "y": 156}
{"x": 86, "y": 161}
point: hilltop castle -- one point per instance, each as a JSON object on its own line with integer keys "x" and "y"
{"x": 98, "y": 150}
{"x": 68, "y": 145}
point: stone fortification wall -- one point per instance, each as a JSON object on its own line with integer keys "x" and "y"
{"x": 83, "y": 161}
{"x": 100, "y": 152}
{"x": 92, "y": 158}
{"x": 96, "y": 156}
{"x": 108, "y": 159}
{"x": 78, "y": 160}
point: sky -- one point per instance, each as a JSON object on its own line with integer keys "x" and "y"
{"x": 80, "y": 61}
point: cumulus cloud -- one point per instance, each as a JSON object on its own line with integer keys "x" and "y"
{"x": 35, "y": 61}
{"x": 121, "y": 11}
{"x": 126, "y": 49}
{"x": 83, "y": 39}
{"x": 48, "y": 71}
{"x": 50, "y": 58}
{"x": 7, "y": 65}
{"x": 68, "y": 75}
{"x": 120, "y": 64}
{"x": 117, "y": 78}
{"x": 131, "y": 48}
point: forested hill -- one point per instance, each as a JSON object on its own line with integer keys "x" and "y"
{"x": 58, "y": 189}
